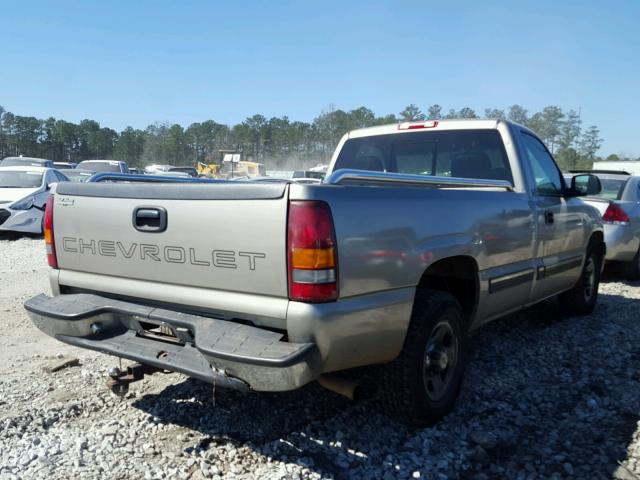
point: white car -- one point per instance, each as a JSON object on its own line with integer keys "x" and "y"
{"x": 23, "y": 195}
{"x": 156, "y": 169}
{"x": 109, "y": 166}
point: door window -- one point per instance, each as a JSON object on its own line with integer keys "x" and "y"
{"x": 545, "y": 171}
{"x": 60, "y": 177}
{"x": 50, "y": 178}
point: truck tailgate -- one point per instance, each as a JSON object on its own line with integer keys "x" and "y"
{"x": 228, "y": 236}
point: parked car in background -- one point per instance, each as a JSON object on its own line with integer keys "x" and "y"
{"x": 155, "y": 168}
{"x": 191, "y": 171}
{"x": 307, "y": 180}
{"x": 23, "y": 195}
{"x": 78, "y": 174}
{"x": 308, "y": 174}
{"x": 112, "y": 166}
{"x": 173, "y": 174}
{"x": 65, "y": 165}
{"x": 26, "y": 162}
{"x": 135, "y": 171}
{"x": 619, "y": 204}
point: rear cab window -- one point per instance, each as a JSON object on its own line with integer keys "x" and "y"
{"x": 450, "y": 153}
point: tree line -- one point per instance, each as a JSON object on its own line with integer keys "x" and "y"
{"x": 278, "y": 141}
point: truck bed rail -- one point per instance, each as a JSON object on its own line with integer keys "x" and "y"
{"x": 130, "y": 177}
{"x": 362, "y": 176}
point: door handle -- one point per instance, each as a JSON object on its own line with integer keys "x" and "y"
{"x": 548, "y": 216}
{"x": 150, "y": 219}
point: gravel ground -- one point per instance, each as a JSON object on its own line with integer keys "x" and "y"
{"x": 544, "y": 397}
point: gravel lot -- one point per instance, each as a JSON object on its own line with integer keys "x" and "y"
{"x": 544, "y": 397}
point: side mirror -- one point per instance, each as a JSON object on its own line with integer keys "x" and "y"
{"x": 585, "y": 185}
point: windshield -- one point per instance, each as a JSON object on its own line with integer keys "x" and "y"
{"x": 75, "y": 176}
{"x": 612, "y": 188}
{"x": 460, "y": 153}
{"x": 25, "y": 179}
{"x": 113, "y": 167}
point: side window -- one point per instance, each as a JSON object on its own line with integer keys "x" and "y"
{"x": 60, "y": 177}
{"x": 545, "y": 171}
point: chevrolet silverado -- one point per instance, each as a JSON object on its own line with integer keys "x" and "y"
{"x": 420, "y": 233}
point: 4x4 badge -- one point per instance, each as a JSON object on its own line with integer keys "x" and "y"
{"x": 65, "y": 201}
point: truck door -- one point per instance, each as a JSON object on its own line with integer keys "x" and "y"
{"x": 560, "y": 234}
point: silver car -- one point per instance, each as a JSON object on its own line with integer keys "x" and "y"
{"x": 619, "y": 205}
{"x": 23, "y": 195}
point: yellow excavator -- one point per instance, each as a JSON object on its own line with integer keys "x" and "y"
{"x": 231, "y": 165}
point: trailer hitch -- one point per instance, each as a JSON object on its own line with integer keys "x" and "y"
{"x": 120, "y": 380}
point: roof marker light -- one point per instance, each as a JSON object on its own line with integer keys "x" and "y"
{"x": 417, "y": 125}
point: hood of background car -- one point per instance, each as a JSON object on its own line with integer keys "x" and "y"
{"x": 9, "y": 195}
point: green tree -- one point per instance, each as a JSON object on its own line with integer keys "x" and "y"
{"x": 411, "y": 113}
{"x": 467, "y": 112}
{"x": 156, "y": 144}
{"x": 590, "y": 142}
{"x": 494, "y": 113}
{"x": 569, "y": 130}
{"x": 434, "y": 112}
{"x": 69, "y": 136}
{"x": 130, "y": 146}
{"x": 552, "y": 121}
{"x": 386, "y": 119}
{"x": 451, "y": 114}
{"x": 360, "y": 118}
{"x": 518, "y": 114}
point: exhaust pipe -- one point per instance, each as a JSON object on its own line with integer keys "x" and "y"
{"x": 339, "y": 385}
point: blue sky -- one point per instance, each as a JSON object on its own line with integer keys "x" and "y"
{"x": 132, "y": 63}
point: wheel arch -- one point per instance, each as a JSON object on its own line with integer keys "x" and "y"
{"x": 596, "y": 240}
{"x": 458, "y": 276}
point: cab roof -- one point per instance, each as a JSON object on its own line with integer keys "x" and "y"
{"x": 436, "y": 125}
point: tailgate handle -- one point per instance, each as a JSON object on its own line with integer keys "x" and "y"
{"x": 150, "y": 219}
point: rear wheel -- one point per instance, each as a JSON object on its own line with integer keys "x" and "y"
{"x": 581, "y": 299}
{"x": 421, "y": 385}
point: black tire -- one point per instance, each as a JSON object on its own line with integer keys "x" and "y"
{"x": 631, "y": 270}
{"x": 581, "y": 299}
{"x": 408, "y": 392}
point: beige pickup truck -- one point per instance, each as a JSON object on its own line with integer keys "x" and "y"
{"x": 420, "y": 233}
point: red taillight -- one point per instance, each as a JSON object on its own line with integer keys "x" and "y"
{"x": 417, "y": 125}
{"x": 311, "y": 247}
{"x": 615, "y": 215}
{"x": 48, "y": 233}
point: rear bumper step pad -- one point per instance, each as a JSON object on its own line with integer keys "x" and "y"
{"x": 214, "y": 350}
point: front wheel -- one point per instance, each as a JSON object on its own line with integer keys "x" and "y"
{"x": 422, "y": 384}
{"x": 581, "y": 299}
